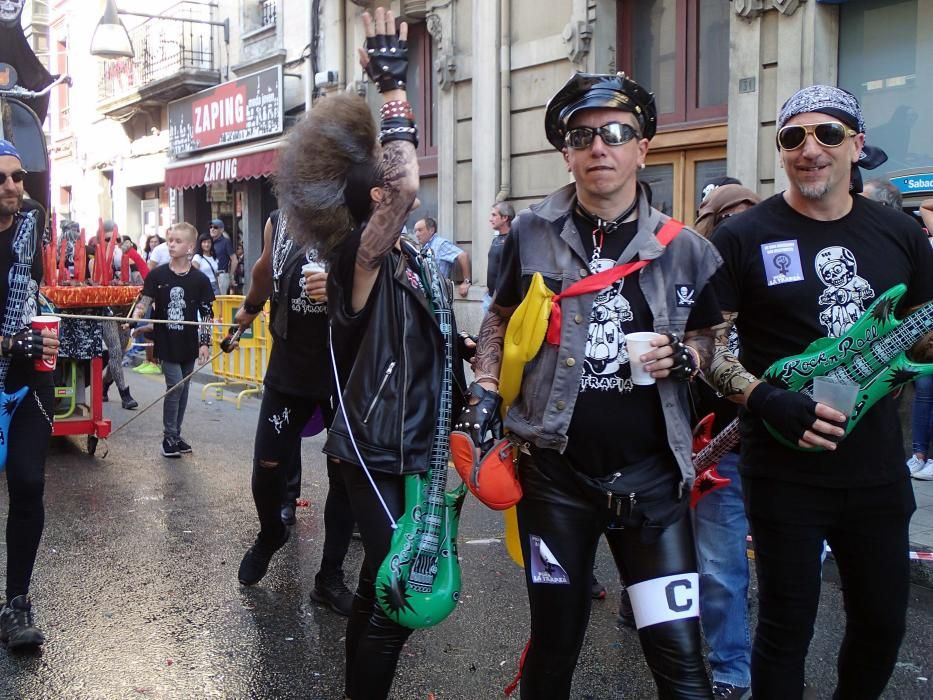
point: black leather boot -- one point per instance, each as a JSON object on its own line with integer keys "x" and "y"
{"x": 129, "y": 403}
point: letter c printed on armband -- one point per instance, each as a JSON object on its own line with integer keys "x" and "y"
{"x": 665, "y": 599}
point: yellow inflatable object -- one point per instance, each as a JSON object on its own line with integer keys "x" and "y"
{"x": 523, "y": 339}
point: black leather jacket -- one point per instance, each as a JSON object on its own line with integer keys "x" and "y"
{"x": 390, "y": 358}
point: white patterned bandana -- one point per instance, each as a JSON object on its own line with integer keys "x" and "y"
{"x": 820, "y": 98}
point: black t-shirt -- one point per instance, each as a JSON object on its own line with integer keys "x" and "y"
{"x": 299, "y": 364}
{"x": 20, "y": 372}
{"x": 493, "y": 261}
{"x": 177, "y": 297}
{"x": 793, "y": 280}
{"x": 610, "y": 410}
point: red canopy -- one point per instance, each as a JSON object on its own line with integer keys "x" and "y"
{"x": 221, "y": 169}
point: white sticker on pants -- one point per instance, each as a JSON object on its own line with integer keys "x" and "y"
{"x": 544, "y": 565}
{"x": 665, "y": 599}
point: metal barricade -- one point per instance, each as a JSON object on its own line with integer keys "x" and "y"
{"x": 246, "y": 365}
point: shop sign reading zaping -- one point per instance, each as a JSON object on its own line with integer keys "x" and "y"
{"x": 220, "y": 170}
{"x": 240, "y": 110}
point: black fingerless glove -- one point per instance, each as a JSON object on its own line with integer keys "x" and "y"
{"x": 24, "y": 345}
{"x": 685, "y": 365}
{"x": 388, "y": 61}
{"x": 788, "y": 412}
{"x": 482, "y": 420}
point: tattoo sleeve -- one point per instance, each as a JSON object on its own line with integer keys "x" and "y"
{"x": 142, "y": 306}
{"x": 703, "y": 341}
{"x": 204, "y": 330}
{"x": 400, "y": 185}
{"x": 490, "y": 341}
{"x": 726, "y": 373}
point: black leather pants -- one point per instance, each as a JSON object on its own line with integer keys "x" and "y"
{"x": 374, "y": 641}
{"x": 556, "y": 512}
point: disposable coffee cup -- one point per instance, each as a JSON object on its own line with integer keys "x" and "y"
{"x": 311, "y": 267}
{"x": 637, "y": 344}
{"x": 40, "y": 323}
{"x": 838, "y": 395}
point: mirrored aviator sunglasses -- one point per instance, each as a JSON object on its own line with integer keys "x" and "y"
{"x": 612, "y": 134}
{"x": 16, "y": 176}
{"x": 828, "y": 134}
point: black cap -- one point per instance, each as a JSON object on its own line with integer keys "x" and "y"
{"x": 595, "y": 91}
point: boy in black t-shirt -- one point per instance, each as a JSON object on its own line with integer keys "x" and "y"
{"x": 181, "y": 295}
{"x": 805, "y": 264}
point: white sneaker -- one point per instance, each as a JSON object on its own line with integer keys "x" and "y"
{"x": 915, "y": 464}
{"x": 925, "y": 474}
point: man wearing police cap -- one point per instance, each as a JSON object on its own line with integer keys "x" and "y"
{"x": 804, "y": 265}
{"x": 604, "y": 453}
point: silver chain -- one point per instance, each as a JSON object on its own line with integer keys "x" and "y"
{"x": 42, "y": 408}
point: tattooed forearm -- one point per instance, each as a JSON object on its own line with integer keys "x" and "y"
{"x": 490, "y": 342}
{"x": 726, "y": 373}
{"x": 142, "y": 306}
{"x": 703, "y": 341}
{"x": 400, "y": 186}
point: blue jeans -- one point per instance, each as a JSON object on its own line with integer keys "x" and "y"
{"x": 922, "y": 415}
{"x": 174, "y": 405}
{"x": 720, "y": 528}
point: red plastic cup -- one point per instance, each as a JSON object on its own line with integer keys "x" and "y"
{"x": 40, "y": 323}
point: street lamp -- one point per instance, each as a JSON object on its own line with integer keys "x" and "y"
{"x": 111, "y": 40}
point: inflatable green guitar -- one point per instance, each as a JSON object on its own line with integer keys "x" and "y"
{"x": 872, "y": 354}
{"x": 418, "y": 583}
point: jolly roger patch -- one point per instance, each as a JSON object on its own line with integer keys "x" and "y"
{"x": 686, "y": 295}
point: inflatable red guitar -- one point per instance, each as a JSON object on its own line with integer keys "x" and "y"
{"x": 706, "y": 455}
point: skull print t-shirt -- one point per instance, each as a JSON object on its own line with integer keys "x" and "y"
{"x": 610, "y": 409}
{"x": 793, "y": 280}
{"x": 186, "y": 297}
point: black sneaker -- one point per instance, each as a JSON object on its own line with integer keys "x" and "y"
{"x": 330, "y": 590}
{"x": 256, "y": 560}
{"x": 17, "y": 630}
{"x": 727, "y": 691}
{"x": 127, "y": 401}
{"x": 170, "y": 449}
{"x": 183, "y": 446}
{"x": 288, "y": 514}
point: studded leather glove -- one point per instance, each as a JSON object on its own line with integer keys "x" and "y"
{"x": 788, "y": 412}
{"x": 482, "y": 420}
{"x": 388, "y": 61}
{"x": 24, "y": 345}
{"x": 685, "y": 364}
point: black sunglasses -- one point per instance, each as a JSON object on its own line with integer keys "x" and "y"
{"x": 612, "y": 134}
{"x": 829, "y": 134}
{"x": 16, "y": 176}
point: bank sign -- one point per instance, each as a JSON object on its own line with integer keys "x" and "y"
{"x": 921, "y": 183}
{"x": 240, "y": 110}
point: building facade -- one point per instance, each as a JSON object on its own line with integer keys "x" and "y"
{"x": 481, "y": 74}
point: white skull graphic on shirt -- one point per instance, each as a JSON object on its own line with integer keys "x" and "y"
{"x": 845, "y": 294}
{"x": 175, "y": 311}
{"x": 605, "y": 352}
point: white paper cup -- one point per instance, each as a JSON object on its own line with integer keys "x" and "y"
{"x": 311, "y": 267}
{"x": 839, "y": 395}
{"x": 637, "y": 344}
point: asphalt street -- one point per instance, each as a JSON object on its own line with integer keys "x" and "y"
{"x": 136, "y": 590}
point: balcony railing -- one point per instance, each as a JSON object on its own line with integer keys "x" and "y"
{"x": 163, "y": 48}
{"x": 267, "y": 12}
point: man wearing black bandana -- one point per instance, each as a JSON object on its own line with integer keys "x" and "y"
{"x": 804, "y": 265}
{"x": 604, "y": 454}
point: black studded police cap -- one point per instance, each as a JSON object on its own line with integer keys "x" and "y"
{"x": 599, "y": 90}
